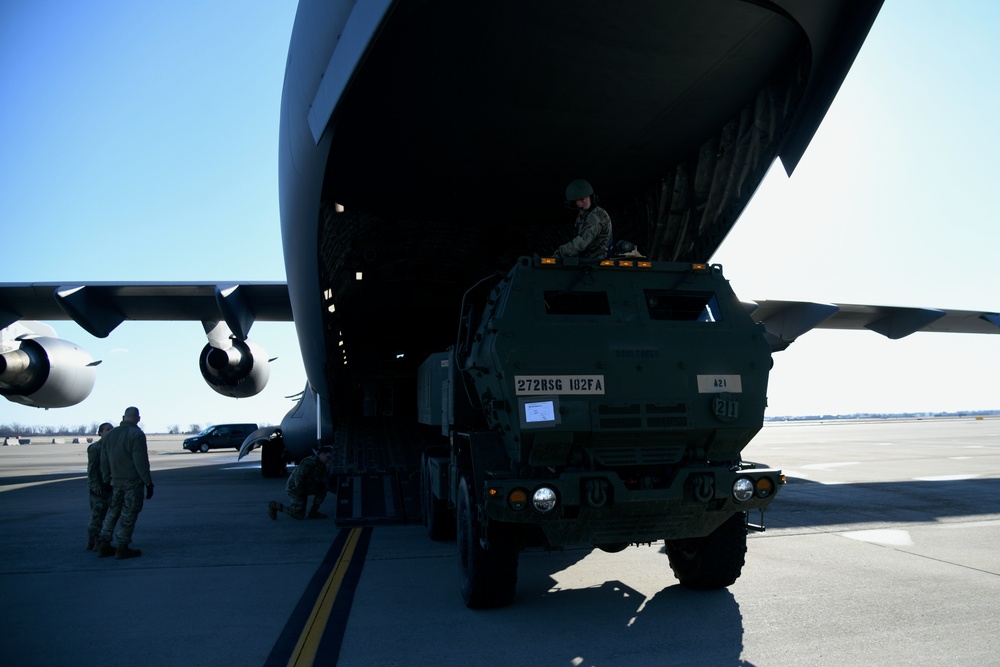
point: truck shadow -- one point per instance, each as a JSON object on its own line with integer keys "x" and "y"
{"x": 613, "y": 622}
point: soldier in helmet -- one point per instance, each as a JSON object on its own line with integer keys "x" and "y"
{"x": 593, "y": 224}
{"x": 311, "y": 477}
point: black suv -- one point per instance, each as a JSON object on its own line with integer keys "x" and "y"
{"x": 219, "y": 436}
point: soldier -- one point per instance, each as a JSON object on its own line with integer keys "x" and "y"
{"x": 310, "y": 478}
{"x": 593, "y": 224}
{"x": 125, "y": 464}
{"x": 100, "y": 493}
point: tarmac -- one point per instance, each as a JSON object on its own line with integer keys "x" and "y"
{"x": 882, "y": 549}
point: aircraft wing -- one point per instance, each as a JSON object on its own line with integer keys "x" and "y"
{"x": 100, "y": 307}
{"x": 787, "y": 320}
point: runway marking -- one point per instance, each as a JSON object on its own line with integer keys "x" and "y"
{"x": 320, "y": 632}
{"x": 305, "y": 650}
{"x": 899, "y": 538}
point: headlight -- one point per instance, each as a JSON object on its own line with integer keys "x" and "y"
{"x": 544, "y": 499}
{"x": 743, "y": 489}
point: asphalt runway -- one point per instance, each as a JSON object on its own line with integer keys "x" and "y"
{"x": 882, "y": 549}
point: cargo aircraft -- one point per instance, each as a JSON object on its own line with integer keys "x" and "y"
{"x": 425, "y": 146}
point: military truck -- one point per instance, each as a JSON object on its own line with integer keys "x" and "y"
{"x": 601, "y": 403}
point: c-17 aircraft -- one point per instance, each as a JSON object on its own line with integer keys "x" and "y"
{"x": 400, "y": 118}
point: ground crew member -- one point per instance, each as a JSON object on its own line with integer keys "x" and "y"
{"x": 125, "y": 465}
{"x": 593, "y": 224}
{"x": 311, "y": 477}
{"x": 100, "y": 493}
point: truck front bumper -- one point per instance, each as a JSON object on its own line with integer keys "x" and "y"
{"x": 600, "y": 507}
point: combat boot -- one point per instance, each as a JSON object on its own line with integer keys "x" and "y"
{"x": 314, "y": 513}
{"x": 91, "y": 543}
{"x": 104, "y": 549}
{"x": 124, "y": 552}
{"x": 273, "y": 508}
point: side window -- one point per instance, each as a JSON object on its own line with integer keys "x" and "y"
{"x": 676, "y": 306}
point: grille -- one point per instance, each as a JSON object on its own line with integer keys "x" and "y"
{"x": 637, "y": 455}
{"x": 641, "y": 415}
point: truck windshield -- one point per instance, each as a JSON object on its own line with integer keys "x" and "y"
{"x": 682, "y": 306}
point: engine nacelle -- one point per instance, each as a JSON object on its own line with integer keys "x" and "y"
{"x": 47, "y": 372}
{"x": 238, "y": 371}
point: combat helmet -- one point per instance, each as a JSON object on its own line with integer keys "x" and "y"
{"x": 578, "y": 189}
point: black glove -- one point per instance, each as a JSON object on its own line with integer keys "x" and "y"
{"x": 149, "y": 491}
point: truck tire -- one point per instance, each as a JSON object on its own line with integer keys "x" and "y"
{"x": 711, "y": 562}
{"x": 434, "y": 511}
{"x": 488, "y": 577}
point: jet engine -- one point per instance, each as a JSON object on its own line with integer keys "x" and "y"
{"x": 46, "y": 372}
{"x": 239, "y": 369}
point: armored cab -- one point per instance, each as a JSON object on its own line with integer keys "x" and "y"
{"x": 601, "y": 403}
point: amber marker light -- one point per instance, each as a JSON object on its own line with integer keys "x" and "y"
{"x": 765, "y": 487}
{"x": 607, "y": 262}
{"x": 645, "y": 265}
{"x": 518, "y": 499}
{"x": 699, "y": 267}
{"x": 549, "y": 260}
{"x": 625, "y": 262}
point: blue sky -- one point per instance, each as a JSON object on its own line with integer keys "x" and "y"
{"x": 140, "y": 143}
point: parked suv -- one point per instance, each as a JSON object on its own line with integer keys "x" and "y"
{"x": 219, "y": 436}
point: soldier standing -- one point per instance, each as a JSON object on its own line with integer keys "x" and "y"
{"x": 125, "y": 464}
{"x": 310, "y": 478}
{"x": 100, "y": 493}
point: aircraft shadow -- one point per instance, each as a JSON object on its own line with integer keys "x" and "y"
{"x": 804, "y": 503}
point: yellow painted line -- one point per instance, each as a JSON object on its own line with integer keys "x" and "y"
{"x": 305, "y": 649}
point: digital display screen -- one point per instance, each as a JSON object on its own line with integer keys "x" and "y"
{"x": 539, "y": 411}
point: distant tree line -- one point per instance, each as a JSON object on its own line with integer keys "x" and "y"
{"x": 14, "y": 428}
{"x": 886, "y": 415}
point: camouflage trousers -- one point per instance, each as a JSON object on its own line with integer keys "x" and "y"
{"x": 126, "y": 503}
{"x": 99, "y": 501}
{"x": 297, "y": 508}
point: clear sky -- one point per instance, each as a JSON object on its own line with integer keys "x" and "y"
{"x": 139, "y": 143}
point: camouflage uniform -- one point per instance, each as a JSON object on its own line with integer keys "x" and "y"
{"x": 100, "y": 493}
{"x": 593, "y": 235}
{"x": 125, "y": 463}
{"x": 310, "y": 478}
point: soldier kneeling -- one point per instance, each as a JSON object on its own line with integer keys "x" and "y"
{"x": 310, "y": 478}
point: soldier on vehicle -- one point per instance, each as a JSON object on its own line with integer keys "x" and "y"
{"x": 311, "y": 477}
{"x": 593, "y": 224}
{"x": 100, "y": 493}
{"x": 125, "y": 464}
